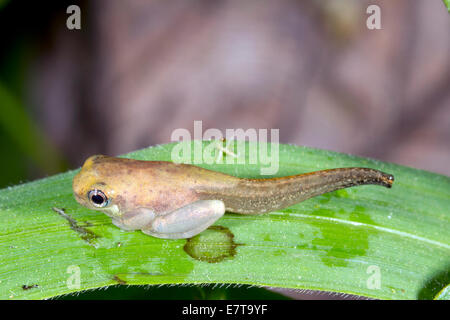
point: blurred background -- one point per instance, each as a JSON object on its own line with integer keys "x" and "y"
{"x": 137, "y": 70}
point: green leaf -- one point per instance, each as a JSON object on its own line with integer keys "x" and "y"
{"x": 444, "y": 294}
{"x": 204, "y": 292}
{"x": 367, "y": 240}
{"x": 447, "y": 4}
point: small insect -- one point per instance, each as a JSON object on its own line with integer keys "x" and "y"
{"x": 28, "y": 287}
{"x": 173, "y": 201}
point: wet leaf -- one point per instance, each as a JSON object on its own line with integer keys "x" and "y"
{"x": 367, "y": 240}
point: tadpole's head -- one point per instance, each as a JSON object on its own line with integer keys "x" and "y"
{"x": 93, "y": 187}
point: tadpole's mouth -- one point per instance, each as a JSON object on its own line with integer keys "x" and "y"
{"x": 78, "y": 198}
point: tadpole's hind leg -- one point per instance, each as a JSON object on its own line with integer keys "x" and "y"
{"x": 186, "y": 221}
{"x": 134, "y": 220}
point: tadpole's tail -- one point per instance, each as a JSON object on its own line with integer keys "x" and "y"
{"x": 254, "y": 196}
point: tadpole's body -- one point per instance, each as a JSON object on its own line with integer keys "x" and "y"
{"x": 169, "y": 200}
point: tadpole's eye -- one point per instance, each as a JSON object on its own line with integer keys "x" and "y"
{"x": 98, "y": 198}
